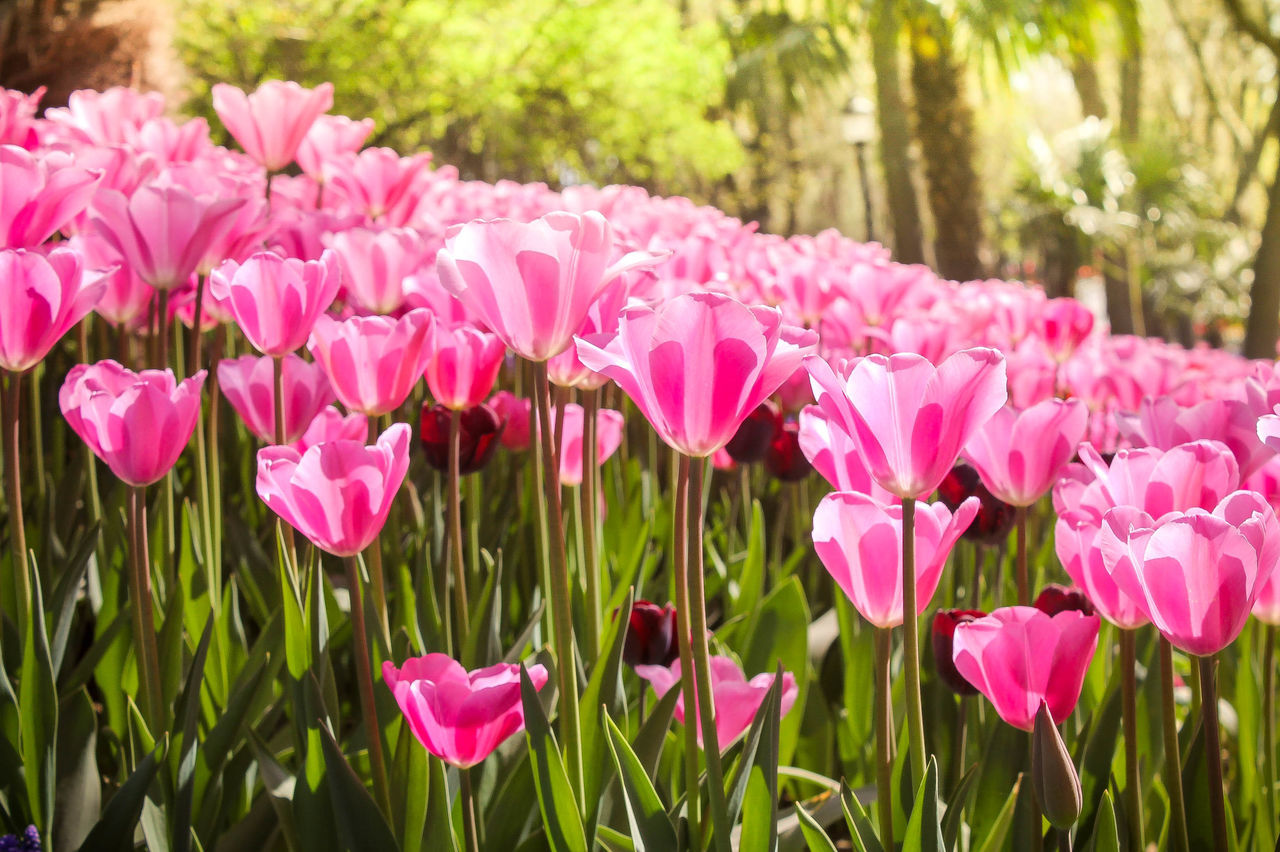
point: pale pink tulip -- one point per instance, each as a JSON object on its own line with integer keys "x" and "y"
{"x": 329, "y": 137}
{"x": 248, "y": 382}
{"x": 271, "y": 123}
{"x": 565, "y": 369}
{"x": 331, "y": 425}
{"x": 609, "y": 425}
{"x": 373, "y": 362}
{"x": 1019, "y": 454}
{"x": 1163, "y": 423}
{"x": 17, "y": 117}
{"x": 376, "y": 264}
{"x": 41, "y": 298}
{"x": 464, "y": 365}
{"x": 39, "y": 195}
{"x": 109, "y": 117}
{"x": 378, "y": 183}
{"x": 834, "y": 455}
{"x": 276, "y": 300}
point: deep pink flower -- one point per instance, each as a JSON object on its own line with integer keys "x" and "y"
{"x": 271, "y": 123}
{"x": 909, "y": 418}
{"x": 1018, "y": 657}
{"x": 1063, "y": 324}
{"x": 337, "y": 493}
{"x": 41, "y": 298}
{"x": 17, "y": 117}
{"x": 39, "y": 195}
{"x": 329, "y": 137}
{"x": 698, "y": 365}
{"x": 138, "y": 423}
{"x": 276, "y": 300}
{"x": 464, "y": 365}
{"x": 1019, "y": 454}
{"x": 249, "y": 385}
{"x": 373, "y": 362}
{"x": 517, "y": 413}
{"x": 459, "y": 716}
{"x": 609, "y": 425}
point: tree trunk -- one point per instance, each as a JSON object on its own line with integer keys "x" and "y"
{"x": 1084, "y": 73}
{"x": 1131, "y": 85}
{"x": 1262, "y": 331}
{"x": 895, "y": 137}
{"x": 944, "y": 126}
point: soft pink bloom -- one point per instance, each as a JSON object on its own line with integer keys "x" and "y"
{"x": 17, "y": 117}
{"x": 138, "y": 423}
{"x": 735, "y": 699}
{"x": 331, "y": 425}
{"x": 1063, "y": 324}
{"x": 698, "y": 365}
{"x": 338, "y": 493}
{"x": 1269, "y": 430}
{"x": 41, "y": 298}
{"x": 271, "y": 123}
{"x": 276, "y": 300}
{"x": 125, "y": 296}
{"x": 1019, "y": 454}
{"x": 460, "y": 716}
{"x": 532, "y": 284}
{"x": 517, "y": 413}
{"x": 834, "y": 455}
{"x": 376, "y": 264}
{"x": 859, "y": 541}
{"x": 565, "y": 369}
{"x": 1075, "y": 540}
{"x": 1196, "y": 575}
{"x": 378, "y": 183}
{"x": 249, "y": 385}
{"x": 39, "y": 195}
{"x": 609, "y": 425}
{"x": 1161, "y": 422}
{"x": 109, "y": 117}
{"x": 373, "y": 362}
{"x": 329, "y": 137}
{"x": 464, "y": 365}
{"x": 909, "y": 418}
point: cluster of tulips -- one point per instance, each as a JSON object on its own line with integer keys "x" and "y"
{"x": 307, "y": 270}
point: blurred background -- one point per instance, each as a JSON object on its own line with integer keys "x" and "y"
{"x": 1118, "y": 150}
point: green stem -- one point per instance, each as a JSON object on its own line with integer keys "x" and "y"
{"x": 884, "y": 735}
{"x": 1024, "y": 586}
{"x": 145, "y": 648}
{"x": 911, "y": 641}
{"x": 1213, "y": 749}
{"x": 37, "y": 430}
{"x": 1269, "y": 721}
{"x": 364, "y": 677}
{"x": 455, "y": 531}
{"x": 21, "y": 582}
{"x": 680, "y": 558}
{"x": 470, "y": 828}
{"x": 1172, "y": 756}
{"x": 197, "y": 338}
{"x": 561, "y": 604}
{"x": 1037, "y": 816}
{"x": 589, "y": 496}
{"x": 1129, "y": 710}
{"x": 215, "y": 468}
{"x": 286, "y": 531}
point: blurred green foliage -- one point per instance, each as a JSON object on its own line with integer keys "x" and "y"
{"x": 616, "y": 91}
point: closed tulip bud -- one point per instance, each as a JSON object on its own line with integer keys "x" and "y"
{"x": 651, "y": 635}
{"x": 751, "y": 441}
{"x": 1055, "y": 598}
{"x": 944, "y": 630}
{"x": 480, "y": 428}
{"x": 1053, "y": 775}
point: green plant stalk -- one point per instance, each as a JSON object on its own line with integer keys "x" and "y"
{"x": 1172, "y": 756}
{"x": 373, "y": 559}
{"x": 146, "y": 650}
{"x": 884, "y": 735}
{"x": 167, "y": 499}
{"x": 587, "y": 516}
{"x": 215, "y": 467}
{"x": 911, "y": 641}
{"x": 286, "y": 531}
{"x": 680, "y": 559}
{"x": 470, "y": 826}
{"x": 37, "y": 428}
{"x": 475, "y": 510}
{"x": 455, "y": 530}
{"x": 1024, "y": 585}
{"x": 702, "y": 659}
{"x": 1269, "y": 721}
{"x": 1129, "y": 715}
{"x": 364, "y": 678}
{"x": 20, "y": 584}
{"x": 1037, "y": 816}
{"x": 1213, "y": 749}
{"x": 561, "y": 603}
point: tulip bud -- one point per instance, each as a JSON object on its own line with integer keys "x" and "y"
{"x": 1053, "y": 775}
{"x": 995, "y": 517}
{"x": 784, "y": 458}
{"x": 479, "y": 427}
{"x": 750, "y": 443}
{"x": 1055, "y": 598}
{"x": 944, "y": 629}
{"x": 651, "y": 635}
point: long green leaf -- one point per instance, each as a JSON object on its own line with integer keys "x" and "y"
{"x": 114, "y": 832}
{"x": 560, "y": 814}
{"x": 924, "y": 830}
{"x": 860, "y": 828}
{"x": 650, "y": 828}
{"x": 188, "y": 712}
{"x": 994, "y": 839}
{"x": 1106, "y": 837}
{"x": 602, "y": 691}
{"x": 38, "y": 701}
{"x": 760, "y": 807}
{"x": 360, "y": 823}
{"x": 814, "y": 835}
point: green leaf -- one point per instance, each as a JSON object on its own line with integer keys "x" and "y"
{"x": 79, "y": 676}
{"x": 746, "y": 760}
{"x": 760, "y": 806}
{"x": 361, "y": 825}
{"x": 601, "y": 691}
{"x": 994, "y": 839}
{"x": 924, "y": 831}
{"x": 486, "y": 619}
{"x": 814, "y": 836}
{"x": 951, "y": 820}
{"x": 650, "y": 827}
{"x": 1099, "y": 753}
{"x": 653, "y": 733}
{"x": 114, "y": 832}
{"x": 78, "y": 801}
{"x": 188, "y": 711}
{"x": 860, "y": 828}
{"x": 750, "y": 581}
{"x": 38, "y": 703}
{"x": 771, "y": 635}
{"x": 297, "y": 642}
{"x": 1105, "y": 837}
{"x": 560, "y": 814}
{"x": 67, "y": 592}
{"x": 413, "y": 787}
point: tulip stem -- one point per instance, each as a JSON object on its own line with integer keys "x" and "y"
{"x": 37, "y": 429}
{"x": 1269, "y": 720}
{"x": 680, "y": 558}
{"x": 197, "y": 337}
{"x": 470, "y": 828}
{"x": 373, "y": 558}
{"x": 911, "y": 640}
{"x": 1172, "y": 756}
{"x": 884, "y": 735}
{"x": 364, "y": 677}
{"x": 455, "y": 531}
{"x": 21, "y": 587}
{"x": 1129, "y": 710}
{"x": 589, "y": 533}
{"x": 1033, "y": 803}
{"x": 286, "y": 531}
{"x": 146, "y": 652}
{"x": 1213, "y": 749}
{"x": 561, "y": 603}
{"x": 1024, "y": 585}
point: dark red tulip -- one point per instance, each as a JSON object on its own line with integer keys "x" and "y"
{"x": 995, "y": 517}
{"x": 784, "y": 459}
{"x": 750, "y": 443}
{"x": 480, "y": 428}
{"x": 944, "y": 630}
{"x": 651, "y": 635}
{"x": 1055, "y": 598}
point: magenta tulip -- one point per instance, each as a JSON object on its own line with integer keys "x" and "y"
{"x": 373, "y": 362}
{"x": 1019, "y": 454}
{"x": 271, "y": 123}
{"x": 338, "y": 493}
{"x": 17, "y": 117}
{"x": 464, "y": 365}
{"x": 517, "y": 413}
{"x": 332, "y": 425}
{"x": 276, "y": 300}
{"x": 39, "y": 195}
{"x": 609, "y": 425}
{"x": 1063, "y": 324}
{"x": 248, "y": 382}
{"x": 138, "y": 423}
{"x": 1018, "y": 657}
{"x": 834, "y": 455}
{"x": 41, "y": 298}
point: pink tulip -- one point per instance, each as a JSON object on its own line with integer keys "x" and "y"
{"x": 125, "y": 296}
{"x": 460, "y": 716}
{"x": 270, "y": 123}
{"x": 41, "y": 298}
{"x": 859, "y": 541}
{"x": 276, "y": 300}
{"x": 517, "y": 413}
{"x": 39, "y": 195}
{"x": 1019, "y": 657}
{"x": 1063, "y": 324}
{"x": 17, "y": 117}
{"x": 331, "y": 425}
{"x": 609, "y": 426}
{"x": 565, "y": 369}
{"x": 736, "y": 700}
{"x": 138, "y": 423}
{"x": 1163, "y": 423}
{"x": 338, "y": 493}
{"x": 1019, "y": 454}
{"x": 1196, "y": 575}
{"x": 532, "y": 284}
{"x": 249, "y": 385}
{"x": 329, "y": 137}
{"x": 698, "y": 365}
{"x": 378, "y": 183}
{"x": 376, "y": 264}
{"x": 109, "y": 117}
{"x": 1075, "y": 540}
{"x": 1269, "y": 430}
{"x": 463, "y": 366}
{"x": 373, "y": 362}
{"x": 909, "y": 418}
{"x": 834, "y": 455}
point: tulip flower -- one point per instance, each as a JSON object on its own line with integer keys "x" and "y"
{"x": 1019, "y": 454}
{"x": 651, "y": 635}
{"x": 784, "y": 460}
{"x": 481, "y": 428}
{"x": 17, "y": 117}
{"x": 1063, "y": 324}
{"x": 1164, "y": 423}
{"x": 377, "y": 183}
{"x": 43, "y": 296}
{"x": 1018, "y": 657}
{"x": 464, "y": 365}
{"x": 271, "y": 122}
{"x": 1055, "y": 598}
{"x": 609, "y": 426}
{"x": 995, "y": 517}
{"x": 373, "y": 362}
{"x": 331, "y": 425}
{"x": 750, "y": 443}
{"x": 248, "y": 384}
{"x": 736, "y": 700}
{"x": 276, "y": 300}
{"x": 330, "y": 136}
{"x": 835, "y": 457}
{"x": 39, "y": 195}
{"x": 376, "y": 263}
{"x": 516, "y": 413}
{"x": 945, "y": 622}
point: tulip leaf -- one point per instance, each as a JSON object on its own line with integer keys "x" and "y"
{"x": 650, "y": 827}
{"x": 750, "y": 582}
{"x": 481, "y": 646}
{"x": 115, "y": 830}
{"x": 560, "y": 814}
{"x": 360, "y": 823}
{"x": 438, "y": 813}
{"x": 1106, "y": 837}
{"x": 67, "y": 591}
{"x": 860, "y": 828}
{"x": 951, "y": 820}
{"x": 297, "y": 643}
{"x": 1099, "y": 753}
{"x": 924, "y": 831}
{"x": 601, "y": 691}
{"x": 814, "y": 835}
{"x": 78, "y": 800}
{"x": 85, "y": 667}
{"x": 1004, "y": 759}
{"x": 747, "y": 758}
{"x": 770, "y": 635}
{"x": 993, "y": 841}
{"x": 38, "y": 703}
{"x": 188, "y": 712}
{"x": 760, "y": 805}
{"x": 615, "y": 841}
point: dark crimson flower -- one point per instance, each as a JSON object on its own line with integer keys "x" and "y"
{"x": 995, "y": 517}
{"x": 944, "y": 630}
{"x": 480, "y": 428}
{"x": 784, "y": 459}
{"x": 750, "y": 443}
{"x": 1055, "y": 598}
{"x": 651, "y": 635}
